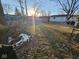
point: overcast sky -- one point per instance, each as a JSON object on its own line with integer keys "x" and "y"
{"x": 47, "y": 5}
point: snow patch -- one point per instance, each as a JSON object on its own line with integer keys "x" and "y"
{"x": 23, "y": 38}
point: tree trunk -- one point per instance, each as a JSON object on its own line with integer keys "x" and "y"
{"x": 26, "y": 7}
{"x": 3, "y": 27}
{"x": 1, "y": 15}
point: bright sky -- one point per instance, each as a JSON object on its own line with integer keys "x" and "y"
{"x": 46, "y": 5}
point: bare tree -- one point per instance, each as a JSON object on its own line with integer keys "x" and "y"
{"x": 26, "y": 7}
{"x": 36, "y": 10}
{"x": 1, "y": 14}
{"x": 3, "y": 29}
{"x": 21, "y": 6}
{"x": 48, "y": 13}
{"x": 22, "y": 24}
{"x": 7, "y": 8}
{"x": 69, "y": 7}
{"x": 43, "y": 13}
{"x": 17, "y": 12}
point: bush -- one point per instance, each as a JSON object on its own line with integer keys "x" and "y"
{"x": 70, "y": 22}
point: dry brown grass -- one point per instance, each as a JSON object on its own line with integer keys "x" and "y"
{"x": 62, "y": 28}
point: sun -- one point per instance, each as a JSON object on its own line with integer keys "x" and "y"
{"x": 31, "y": 12}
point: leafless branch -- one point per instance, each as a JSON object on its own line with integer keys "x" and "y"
{"x": 70, "y": 7}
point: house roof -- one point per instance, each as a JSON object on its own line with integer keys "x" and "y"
{"x": 63, "y": 15}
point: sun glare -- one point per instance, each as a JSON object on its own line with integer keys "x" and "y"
{"x": 31, "y": 12}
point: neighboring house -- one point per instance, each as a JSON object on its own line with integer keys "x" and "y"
{"x": 62, "y": 18}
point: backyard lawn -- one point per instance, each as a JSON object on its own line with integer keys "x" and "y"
{"x": 49, "y": 42}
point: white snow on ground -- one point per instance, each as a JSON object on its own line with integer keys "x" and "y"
{"x": 9, "y": 39}
{"x": 24, "y": 38}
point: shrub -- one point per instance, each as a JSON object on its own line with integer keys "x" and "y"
{"x": 70, "y": 22}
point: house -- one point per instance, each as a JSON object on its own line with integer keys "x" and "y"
{"x": 62, "y": 18}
